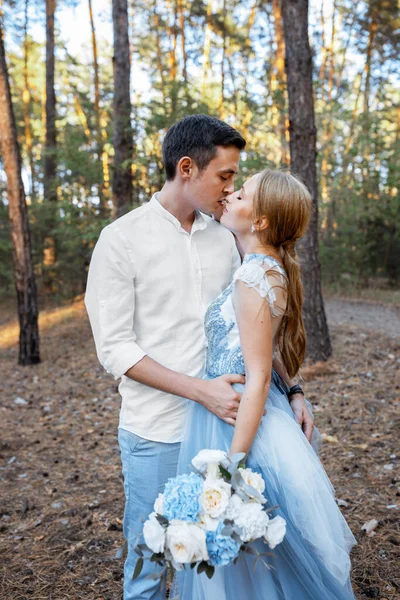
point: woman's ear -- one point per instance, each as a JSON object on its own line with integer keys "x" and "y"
{"x": 261, "y": 224}
{"x": 184, "y": 168}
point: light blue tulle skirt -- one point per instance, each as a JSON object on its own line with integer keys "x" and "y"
{"x": 312, "y": 563}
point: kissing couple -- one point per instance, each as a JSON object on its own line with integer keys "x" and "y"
{"x": 207, "y": 347}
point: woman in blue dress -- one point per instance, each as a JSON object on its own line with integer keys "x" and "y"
{"x": 255, "y": 323}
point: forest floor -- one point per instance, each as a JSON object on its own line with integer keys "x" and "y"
{"x": 61, "y": 496}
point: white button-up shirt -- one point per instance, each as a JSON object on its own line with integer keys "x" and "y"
{"x": 149, "y": 285}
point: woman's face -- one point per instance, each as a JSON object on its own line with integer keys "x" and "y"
{"x": 238, "y": 212}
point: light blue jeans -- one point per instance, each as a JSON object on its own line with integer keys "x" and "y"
{"x": 146, "y": 466}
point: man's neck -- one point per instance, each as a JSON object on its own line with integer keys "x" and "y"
{"x": 170, "y": 198}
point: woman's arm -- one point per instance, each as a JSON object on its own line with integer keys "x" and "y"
{"x": 254, "y": 322}
{"x": 297, "y": 402}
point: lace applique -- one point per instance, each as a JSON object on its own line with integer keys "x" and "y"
{"x": 254, "y": 276}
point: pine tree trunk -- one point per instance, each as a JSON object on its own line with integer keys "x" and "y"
{"x": 207, "y": 48}
{"x": 20, "y": 234}
{"x": 184, "y": 53}
{"x": 302, "y": 131}
{"x": 26, "y": 98}
{"x": 172, "y": 62}
{"x": 123, "y": 139}
{"x": 160, "y": 64}
{"x": 279, "y": 81}
{"x": 50, "y": 164}
{"x": 50, "y": 159}
{"x": 327, "y": 136}
{"x": 224, "y": 37}
{"x": 99, "y": 134}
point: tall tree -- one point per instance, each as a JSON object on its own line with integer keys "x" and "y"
{"x": 20, "y": 234}
{"x": 278, "y": 81}
{"x": 102, "y": 191}
{"x": 26, "y": 98}
{"x": 50, "y": 160}
{"x": 302, "y": 131}
{"x": 184, "y": 53}
{"x": 207, "y": 47}
{"x": 123, "y": 137}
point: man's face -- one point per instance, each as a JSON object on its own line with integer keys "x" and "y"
{"x": 208, "y": 190}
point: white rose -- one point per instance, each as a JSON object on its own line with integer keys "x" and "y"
{"x": 275, "y": 533}
{"x": 159, "y": 504}
{"x": 205, "y": 458}
{"x": 206, "y": 522}
{"x": 186, "y": 542}
{"x": 252, "y": 520}
{"x": 154, "y": 534}
{"x": 215, "y": 497}
{"x": 235, "y": 506}
{"x": 253, "y": 479}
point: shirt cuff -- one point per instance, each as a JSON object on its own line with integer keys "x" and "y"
{"x": 124, "y": 357}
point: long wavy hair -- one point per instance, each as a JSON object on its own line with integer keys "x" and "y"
{"x": 286, "y": 203}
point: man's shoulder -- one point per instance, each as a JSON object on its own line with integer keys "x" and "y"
{"x": 127, "y": 221}
{"x": 133, "y": 216}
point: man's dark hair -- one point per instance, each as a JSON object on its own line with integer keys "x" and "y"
{"x": 197, "y": 136}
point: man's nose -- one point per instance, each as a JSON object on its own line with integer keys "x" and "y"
{"x": 229, "y": 187}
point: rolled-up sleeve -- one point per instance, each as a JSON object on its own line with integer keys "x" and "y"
{"x": 110, "y": 303}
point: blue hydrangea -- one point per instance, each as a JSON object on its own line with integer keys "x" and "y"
{"x": 181, "y": 497}
{"x": 222, "y": 549}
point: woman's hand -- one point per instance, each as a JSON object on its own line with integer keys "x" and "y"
{"x": 299, "y": 407}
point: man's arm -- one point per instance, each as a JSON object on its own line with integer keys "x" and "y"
{"x": 110, "y": 303}
{"x": 297, "y": 401}
{"x": 217, "y": 395}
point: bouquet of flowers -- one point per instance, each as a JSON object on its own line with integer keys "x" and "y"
{"x": 206, "y": 518}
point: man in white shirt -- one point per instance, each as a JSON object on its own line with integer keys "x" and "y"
{"x": 153, "y": 274}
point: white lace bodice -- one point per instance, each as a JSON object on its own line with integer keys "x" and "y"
{"x": 224, "y": 353}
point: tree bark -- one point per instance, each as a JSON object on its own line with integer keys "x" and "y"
{"x": 26, "y": 98}
{"x": 206, "y": 48}
{"x": 50, "y": 160}
{"x": 279, "y": 81}
{"x": 302, "y": 130}
{"x": 221, "y": 107}
{"x": 156, "y": 21}
{"x": 22, "y": 255}
{"x": 123, "y": 139}
{"x": 99, "y": 133}
{"x": 184, "y": 53}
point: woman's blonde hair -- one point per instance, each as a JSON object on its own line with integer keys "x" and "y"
{"x": 286, "y": 203}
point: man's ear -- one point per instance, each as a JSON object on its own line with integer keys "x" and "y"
{"x": 184, "y": 168}
{"x": 261, "y": 224}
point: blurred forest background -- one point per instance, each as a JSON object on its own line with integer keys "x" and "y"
{"x": 218, "y": 57}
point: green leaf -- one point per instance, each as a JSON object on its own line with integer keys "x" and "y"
{"x": 225, "y": 473}
{"x": 121, "y": 551}
{"x": 210, "y": 571}
{"x": 138, "y": 568}
{"x": 162, "y": 520}
{"x": 202, "y": 567}
{"x": 156, "y": 557}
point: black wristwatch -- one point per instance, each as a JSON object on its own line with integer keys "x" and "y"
{"x": 296, "y": 389}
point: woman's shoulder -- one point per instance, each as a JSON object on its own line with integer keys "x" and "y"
{"x": 267, "y": 262}
{"x": 264, "y": 274}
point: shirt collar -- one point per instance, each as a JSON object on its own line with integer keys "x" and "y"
{"x": 199, "y": 223}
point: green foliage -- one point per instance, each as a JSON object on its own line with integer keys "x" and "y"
{"x": 358, "y": 124}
